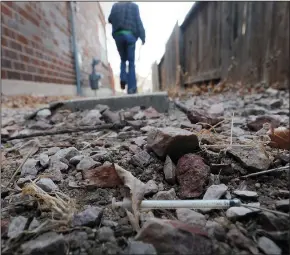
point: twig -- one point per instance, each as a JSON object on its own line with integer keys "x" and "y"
{"x": 20, "y": 166}
{"x": 232, "y": 125}
{"x": 67, "y": 131}
{"x": 267, "y": 171}
{"x": 265, "y": 209}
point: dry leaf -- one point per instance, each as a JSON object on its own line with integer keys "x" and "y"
{"x": 137, "y": 189}
{"x": 280, "y": 138}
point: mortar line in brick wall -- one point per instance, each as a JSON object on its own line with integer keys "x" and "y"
{"x": 35, "y": 74}
{"x": 38, "y": 59}
{"x": 48, "y": 52}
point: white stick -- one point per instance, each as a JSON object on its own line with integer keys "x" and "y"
{"x": 174, "y": 204}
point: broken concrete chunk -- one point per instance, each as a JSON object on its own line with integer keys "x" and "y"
{"x": 216, "y": 110}
{"x": 67, "y": 153}
{"x": 254, "y": 159}
{"x": 166, "y": 195}
{"x": 47, "y": 185}
{"x": 151, "y": 113}
{"x": 47, "y": 243}
{"x": 169, "y": 170}
{"x": 51, "y": 151}
{"x": 43, "y": 114}
{"x": 92, "y": 118}
{"x": 146, "y": 129}
{"x": 141, "y": 159}
{"x": 175, "y": 237}
{"x": 43, "y": 159}
{"x": 246, "y": 193}
{"x": 76, "y": 159}
{"x": 174, "y": 142}
{"x": 140, "y": 248}
{"x": 190, "y": 217}
{"x": 106, "y": 234}
{"x": 236, "y": 213}
{"x": 268, "y": 246}
{"x": 111, "y": 117}
{"x": 215, "y": 192}
{"x": 56, "y": 163}
{"x": 151, "y": 188}
{"x": 17, "y": 226}
{"x": 29, "y": 168}
{"x": 192, "y": 175}
{"x": 86, "y": 163}
{"x": 90, "y": 217}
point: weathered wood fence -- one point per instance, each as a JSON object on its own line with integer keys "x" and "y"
{"x": 236, "y": 41}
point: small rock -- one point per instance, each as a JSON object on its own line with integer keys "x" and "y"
{"x": 56, "y": 164}
{"x": 192, "y": 175}
{"x": 146, "y": 129}
{"x": 174, "y": 142}
{"x": 90, "y": 217}
{"x": 272, "y": 92}
{"x": 141, "y": 159}
{"x": 134, "y": 149}
{"x": 151, "y": 188}
{"x": 188, "y": 125}
{"x": 169, "y": 171}
{"x": 223, "y": 169}
{"x": 283, "y": 205}
{"x": 216, "y": 110}
{"x": 236, "y": 213}
{"x": 28, "y": 146}
{"x": 102, "y": 156}
{"x": 76, "y": 159}
{"x": 257, "y": 185}
{"x": 47, "y": 185}
{"x": 40, "y": 125}
{"x": 175, "y": 237}
{"x": 109, "y": 223}
{"x": 246, "y": 193}
{"x": 215, "y": 230}
{"x": 102, "y": 177}
{"x": 190, "y": 217}
{"x": 43, "y": 159}
{"x": 106, "y": 234}
{"x": 4, "y": 133}
{"x": 47, "y": 243}
{"x": 268, "y": 246}
{"x": 79, "y": 176}
{"x": 241, "y": 241}
{"x": 51, "y": 151}
{"x": 258, "y": 123}
{"x": 151, "y": 113}
{"x": 43, "y": 113}
{"x": 111, "y": 117}
{"x": 255, "y": 110}
{"x": 166, "y": 195}
{"x": 140, "y": 141}
{"x": 91, "y": 119}
{"x": 101, "y": 107}
{"x": 17, "y": 226}
{"x": 29, "y": 168}
{"x": 272, "y": 222}
{"x": 34, "y": 224}
{"x": 245, "y": 156}
{"x": 67, "y": 153}
{"x": 137, "y": 124}
{"x": 140, "y": 248}
{"x": 86, "y": 163}
{"x": 139, "y": 116}
{"x": 215, "y": 192}
{"x": 22, "y": 181}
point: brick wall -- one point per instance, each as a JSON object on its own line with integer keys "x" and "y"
{"x": 36, "y": 42}
{"x": 91, "y": 40}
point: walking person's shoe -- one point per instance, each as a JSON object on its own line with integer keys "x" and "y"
{"x": 123, "y": 85}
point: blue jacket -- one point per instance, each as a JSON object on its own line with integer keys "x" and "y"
{"x": 126, "y": 16}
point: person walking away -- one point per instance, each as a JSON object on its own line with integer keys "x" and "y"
{"x": 127, "y": 27}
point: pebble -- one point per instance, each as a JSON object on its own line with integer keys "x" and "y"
{"x": 29, "y": 168}
{"x": 169, "y": 170}
{"x": 151, "y": 188}
{"x": 215, "y": 192}
{"x": 90, "y": 217}
{"x": 43, "y": 113}
{"x": 43, "y": 159}
{"x": 51, "y": 151}
{"x": 257, "y": 185}
{"x": 166, "y": 195}
{"x": 86, "y": 163}
{"x": 141, "y": 159}
{"x": 235, "y": 213}
{"x": 268, "y": 246}
{"x": 140, "y": 248}
{"x": 17, "y": 226}
{"x": 106, "y": 234}
{"x": 76, "y": 159}
{"x": 190, "y": 217}
{"x": 246, "y": 193}
{"x": 283, "y": 205}
{"x": 67, "y": 153}
{"x": 47, "y": 185}
{"x": 34, "y": 224}
{"x": 22, "y": 181}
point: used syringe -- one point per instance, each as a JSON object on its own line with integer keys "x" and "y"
{"x": 174, "y": 204}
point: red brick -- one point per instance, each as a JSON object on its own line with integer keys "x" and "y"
{"x": 31, "y": 69}
{"x": 29, "y": 51}
{"x": 13, "y": 75}
{"x": 9, "y": 4}
{"x": 22, "y": 39}
{"x": 5, "y": 63}
{"x": 15, "y": 46}
{"x": 28, "y": 17}
{"x": 19, "y": 66}
{"x": 25, "y": 58}
{"x": 6, "y": 10}
{"x": 8, "y": 32}
{"x": 3, "y": 74}
{"x": 10, "y": 54}
{"x": 27, "y": 77}
{"x": 3, "y": 41}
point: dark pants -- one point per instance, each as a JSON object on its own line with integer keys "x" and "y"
{"x": 126, "y": 47}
